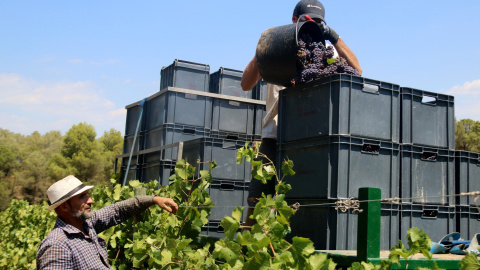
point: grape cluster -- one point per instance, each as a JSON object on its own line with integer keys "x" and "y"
{"x": 315, "y": 61}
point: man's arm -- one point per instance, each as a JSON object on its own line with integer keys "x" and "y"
{"x": 345, "y": 52}
{"x": 341, "y": 47}
{"x": 251, "y": 75}
{"x": 116, "y": 213}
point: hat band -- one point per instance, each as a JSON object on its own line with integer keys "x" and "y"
{"x": 69, "y": 194}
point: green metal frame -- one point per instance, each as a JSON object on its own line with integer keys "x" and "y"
{"x": 368, "y": 239}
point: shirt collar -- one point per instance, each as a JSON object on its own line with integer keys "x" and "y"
{"x": 67, "y": 227}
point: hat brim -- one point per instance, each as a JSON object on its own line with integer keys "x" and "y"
{"x": 55, "y": 205}
{"x": 316, "y": 16}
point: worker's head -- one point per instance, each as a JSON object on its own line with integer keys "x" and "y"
{"x": 312, "y": 8}
{"x": 70, "y": 197}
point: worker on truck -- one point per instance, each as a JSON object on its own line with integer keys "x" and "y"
{"x": 74, "y": 243}
{"x": 315, "y": 10}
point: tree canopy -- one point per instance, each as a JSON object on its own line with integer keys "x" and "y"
{"x": 30, "y": 164}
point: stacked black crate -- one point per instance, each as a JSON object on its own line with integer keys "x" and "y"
{"x": 427, "y": 163}
{"x": 180, "y": 111}
{"x": 342, "y": 133}
{"x": 234, "y": 113}
{"x": 467, "y": 180}
{"x": 134, "y": 127}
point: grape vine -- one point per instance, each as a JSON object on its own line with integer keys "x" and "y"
{"x": 156, "y": 239}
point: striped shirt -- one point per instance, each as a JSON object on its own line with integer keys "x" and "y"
{"x": 66, "y": 247}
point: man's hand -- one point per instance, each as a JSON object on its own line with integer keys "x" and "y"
{"x": 329, "y": 33}
{"x": 166, "y": 203}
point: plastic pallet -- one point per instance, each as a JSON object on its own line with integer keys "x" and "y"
{"x": 224, "y": 152}
{"x": 427, "y": 175}
{"x": 337, "y": 166}
{"x": 428, "y": 119}
{"x": 467, "y": 175}
{"x": 187, "y": 75}
{"x": 170, "y": 133}
{"x": 227, "y": 81}
{"x": 178, "y": 107}
{"x": 340, "y": 105}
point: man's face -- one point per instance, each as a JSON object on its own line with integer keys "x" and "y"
{"x": 80, "y": 206}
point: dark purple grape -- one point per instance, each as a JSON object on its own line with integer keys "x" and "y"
{"x": 313, "y": 61}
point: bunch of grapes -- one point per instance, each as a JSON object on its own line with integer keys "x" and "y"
{"x": 315, "y": 61}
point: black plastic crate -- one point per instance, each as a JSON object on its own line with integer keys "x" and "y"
{"x": 340, "y": 105}
{"x": 224, "y": 152}
{"x": 227, "y": 81}
{"x": 232, "y": 115}
{"x": 467, "y": 175}
{"x": 428, "y": 119}
{"x": 159, "y": 171}
{"x": 186, "y": 75}
{"x": 468, "y": 221}
{"x": 427, "y": 175}
{"x": 233, "y": 136}
{"x": 227, "y": 195}
{"x": 214, "y": 229}
{"x": 259, "y": 91}
{"x": 170, "y": 133}
{"x": 337, "y": 166}
{"x": 177, "y": 106}
{"x": 133, "y": 114}
{"x": 333, "y": 229}
{"x": 128, "y": 142}
{"x": 437, "y": 221}
{"x": 260, "y": 111}
{"x": 133, "y": 173}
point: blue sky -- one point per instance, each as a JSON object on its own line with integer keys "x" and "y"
{"x": 66, "y": 62}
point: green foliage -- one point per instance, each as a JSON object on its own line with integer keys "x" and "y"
{"x": 23, "y": 227}
{"x": 156, "y": 239}
{"x": 29, "y": 164}
{"x": 8, "y": 160}
{"x": 467, "y": 135}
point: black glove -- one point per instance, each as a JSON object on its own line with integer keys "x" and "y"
{"x": 329, "y": 34}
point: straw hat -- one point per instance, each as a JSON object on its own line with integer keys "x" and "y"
{"x": 64, "y": 189}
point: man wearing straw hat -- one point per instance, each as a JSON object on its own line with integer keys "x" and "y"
{"x": 251, "y": 75}
{"x": 73, "y": 243}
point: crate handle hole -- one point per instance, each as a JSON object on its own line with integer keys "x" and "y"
{"x": 430, "y": 156}
{"x": 478, "y": 162}
{"x": 429, "y": 213}
{"x": 226, "y": 186}
{"x": 371, "y": 148}
{"x": 188, "y": 131}
{"x": 369, "y": 88}
{"x": 220, "y": 229}
{"x": 429, "y": 100}
{"x": 232, "y": 137}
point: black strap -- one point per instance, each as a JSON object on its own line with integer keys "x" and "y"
{"x": 69, "y": 193}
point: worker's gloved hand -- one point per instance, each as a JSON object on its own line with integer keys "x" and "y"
{"x": 329, "y": 34}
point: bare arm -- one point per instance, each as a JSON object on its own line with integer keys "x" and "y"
{"x": 250, "y": 76}
{"x": 346, "y": 53}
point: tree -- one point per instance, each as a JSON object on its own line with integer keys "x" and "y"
{"x": 8, "y": 160}
{"x": 112, "y": 144}
{"x": 467, "y": 135}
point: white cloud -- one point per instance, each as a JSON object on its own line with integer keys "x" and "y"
{"x": 75, "y": 61}
{"x": 28, "y": 105}
{"x": 467, "y": 98}
{"x": 468, "y": 88}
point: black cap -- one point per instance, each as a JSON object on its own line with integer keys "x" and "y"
{"x": 312, "y": 8}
